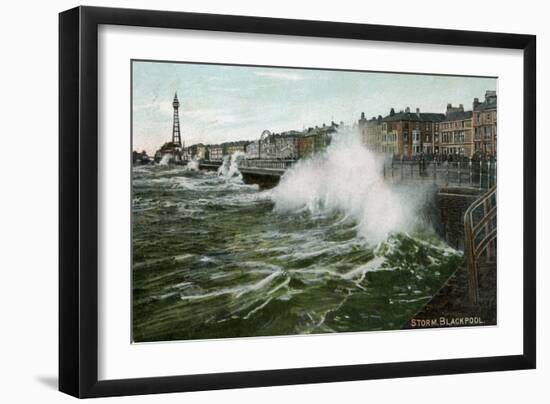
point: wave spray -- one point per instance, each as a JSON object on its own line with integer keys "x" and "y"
{"x": 348, "y": 178}
{"x": 230, "y": 166}
{"x": 192, "y": 165}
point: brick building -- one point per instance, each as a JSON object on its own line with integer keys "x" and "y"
{"x": 232, "y": 147}
{"x": 484, "y": 124}
{"x": 215, "y": 152}
{"x": 457, "y": 132}
{"x": 197, "y": 151}
{"x": 252, "y": 150}
{"x": 371, "y": 132}
{"x": 456, "y": 136}
{"x": 314, "y": 140}
{"x": 409, "y": 133}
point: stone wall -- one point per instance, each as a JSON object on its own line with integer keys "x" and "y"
{"x": 451, "y": 204}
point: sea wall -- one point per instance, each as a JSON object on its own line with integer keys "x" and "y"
{"x": 263, "y": 180}
{"x": 448, "y": 218}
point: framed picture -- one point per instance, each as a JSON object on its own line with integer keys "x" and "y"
{"x": 252, "y": 201}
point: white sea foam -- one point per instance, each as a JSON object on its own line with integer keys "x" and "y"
{"x": 359, "y": 273}
{"x": 192, "y": 165}
{"x": 238, "y": 291}
{"x": 165, "y": 160}
{"x": 348, "y": 178}
{"x": 230, "y": 166}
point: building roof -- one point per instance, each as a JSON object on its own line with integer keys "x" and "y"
{"x": 458, "y": 116}
{"x": 413, "y": 116}
{"x": 375, "y": 119}
{"x": 236, "y": 143}
{"x": 168, "y": 146}
{"x": 489, "y": 103}
{"x": 486, "y": 105}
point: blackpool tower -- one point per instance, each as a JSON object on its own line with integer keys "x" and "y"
{"x": 176, "y": 134}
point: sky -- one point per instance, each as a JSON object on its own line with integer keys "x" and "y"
{"x": 220, "y": 103}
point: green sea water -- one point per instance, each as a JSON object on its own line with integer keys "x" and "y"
{"x": 213, "y": 258}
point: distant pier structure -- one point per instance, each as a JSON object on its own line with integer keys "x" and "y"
{"x": 172, "y": 152}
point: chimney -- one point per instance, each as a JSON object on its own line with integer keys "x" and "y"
{"x": 476, "y": 102}
{"x": 461, "y": 108}
{"x": 417, "y": 111}
{"x": 362, "y": 115}
{"x": 407, "y": 110}
{"x": 490, "y": 94}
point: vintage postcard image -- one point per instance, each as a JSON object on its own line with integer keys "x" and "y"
{"x": 270, "y": 201}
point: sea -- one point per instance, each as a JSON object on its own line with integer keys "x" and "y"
{"x": 332, "y": 248}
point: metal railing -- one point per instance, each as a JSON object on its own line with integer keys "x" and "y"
{"x": 466, "y": 173}
{"x": 480, "y": 232}
{"x": 267, "y": 164}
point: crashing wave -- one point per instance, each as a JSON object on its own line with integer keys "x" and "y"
{"x": 230, "y": 166}
{"x": 348, "y": 178}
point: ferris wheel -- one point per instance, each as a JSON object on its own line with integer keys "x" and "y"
{"x": 264, "y": 135}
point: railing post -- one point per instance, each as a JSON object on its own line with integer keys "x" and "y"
{"x": 435, "y": 171}
{"x": 459, "y": 174}
{"x": 488, "y": 174}
{"x": 480, "y": 172}
{"x": 470, "y": 169}
{"x": 489, "y": 252}
{"x": 470, "y": 259}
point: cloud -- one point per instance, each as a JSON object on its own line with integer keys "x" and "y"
{"x": 164, "y": 108}
{"x": 206, "y": 114}
{"x": 281, "y": 75}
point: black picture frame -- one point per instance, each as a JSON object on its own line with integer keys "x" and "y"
{"x": 78, "y": 201}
